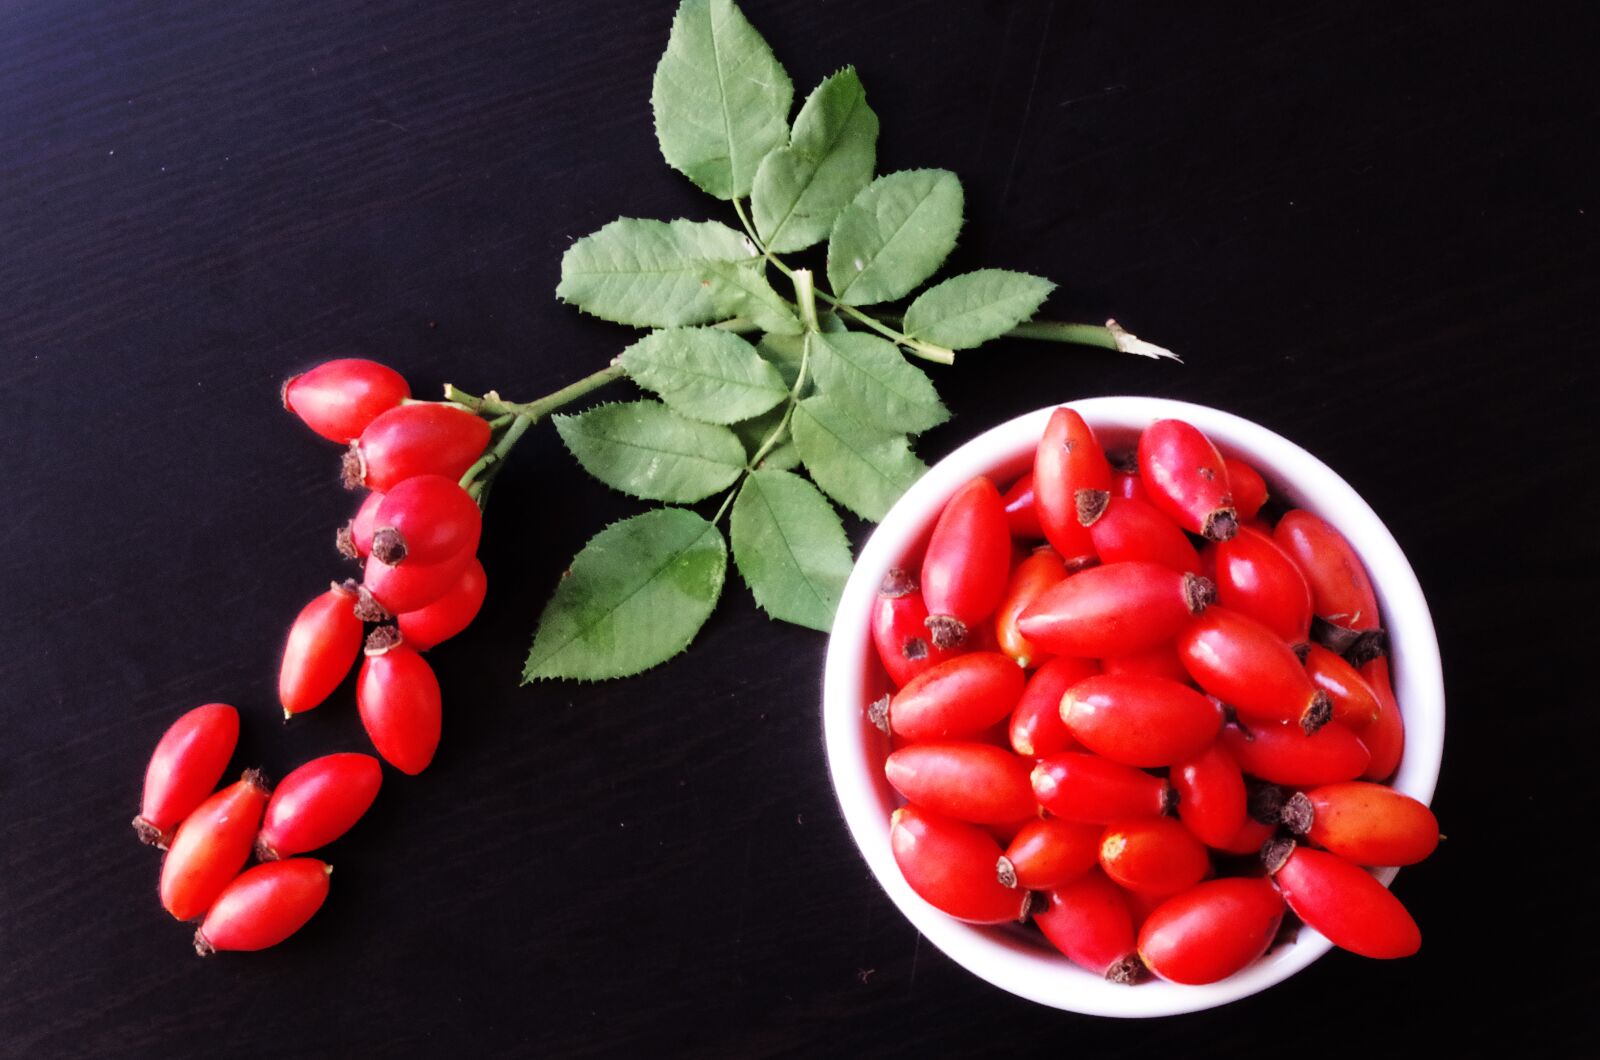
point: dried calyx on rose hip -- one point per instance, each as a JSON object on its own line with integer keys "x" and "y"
{"x": 1132, "y": 744}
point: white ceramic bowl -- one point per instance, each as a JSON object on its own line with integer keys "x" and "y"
{"x": 1018, "y": 959}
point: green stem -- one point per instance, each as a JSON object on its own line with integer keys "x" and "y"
{"x": 770, "y": 442}
{"x": 805, "y": 294}
{"x": 749, "y": 229}
{"x": 488, "y": 464}
{"x": 1109, "y": 336}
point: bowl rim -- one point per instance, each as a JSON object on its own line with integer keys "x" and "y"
{"x": 1008, "y": 958}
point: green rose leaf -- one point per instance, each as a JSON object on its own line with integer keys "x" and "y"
{"x": 783, "y": 352}
{"x": 705, "y": 374}
{"x": 893, "y": 235}
{"x": 969, "y": 310}
{"x": 645, "y": 449}
{"x": 790, "y": 548}
{"x": 753, "y": 433}
{"x": 861, "y": 467}
{"x": 868, "y": 377}
{"x": 633, "y": 598}
{"x": 741, "y": 289}
{"x": 721, "y": 99}
{"x": 651, "y": 274}
{"x": 800, "y": 189}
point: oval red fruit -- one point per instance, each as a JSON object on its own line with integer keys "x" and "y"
{"x": 1085, "y": 787}
{"x": 317, "y": 803}
{"x": 1185, "y": 477}
{"x": 1036, "y": 728}
{"x": 1136, "y": 530}
{"x": 322, "y": 646}
{"x": 964, "y": 568}
{"x": 1282, "y": 754}
{"x": 1089, "y": 921}
{"x": 211, "y": 846}
{"x": 411, "y": 586}
{"x": 1246, "y": 665}
{"x": 950, "y": 865}
{"x": 1211, "y": 796}
{"x": 1341, "y": 593}
{"x": 959, "y": 697}
{"x": 1139, "y": 720}
{"x": 354, "y": 539}
{"x": 1354, "y": 702}
{"x": 1257, "y": 578}
{"x": 1153, "y": 855}
{"x": 1249, "y": 489}
{"x": 974, "y": 782}
{"x": 421, "y": 439}
{"x": 1048, "y": 852}
{"x": 1116, "y": 609}
{"x": 264, "y": 906}
{"x": 426, "y": 519}
{"x": 1021, "y": 514}
{"x": 900, "y": 629}
{"x": 1071, "y": 484}
{"x": 1212, "y": 930}
{"x": 1038, "y": 572}
{"x": 448, "y": 615}
{"x": 1385, "y": 736}
{"x": 1345, "y": 903}
{"x": 189, "y": 759}
{"x": 339, "y": 398}
{"x": 1369, "y": 824}
{"x": 398, "y": 699}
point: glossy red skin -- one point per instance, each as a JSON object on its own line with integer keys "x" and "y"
{"x": 1211, "y": 796}
{"x": 1068, "y": 460}
{"x": 189, "y": 759}
{"x": 1354, "y": 702}
{"x": 1341, "y": 592}
{"x": 448, "y": 615}
{"x": 1371, "y": 824}
{"x": 1036, "y": 728}
{"x": 1021, "y": 514}
{"x": 362, "y": 524}
{"x": 339, "y": 398}
{"x": 411, "y": 586}
{"x": 322, "y": 646}
{"x": 1347, "y": 905}
{"x": 1048, "y": 852}
{"x": 900, "y": 633}
{"x": 1249, "y": 489}
{"x": 957, "y": 698}
{"x": 421, "y": 439}
{"x": 1038, "y": 572}
{"x": 265, "y": 905}
{"x": 1247, "y": 666}
{"x": 1160, "y": 661}
{"x": 973, "y": 782}
{"x": 1153, "y": 855}
{"x": 317, "y": 803}
{"x": 1282, "y": 754}
{"x": 1185, "y": 476}
{"x": 1385, "y": 737}
{"x": 1137, "y": 530}
{"x": 968, "y": 556}
{"x": 1127, "y": 484}
{"x": 1089, "y": 921}
{"x": 951, "y": 866}
{"x": 1257, "y": 578}
{"x": 211, "y": 846}
{"x": 438, "y": 519}
{"x": 1249, "y": 839}
{"x": 397, "y": 696}
{"x": 1211, "y": 930}
{"x": 1139, "y": 720}
{"x": 1116, "y": 609}
{"x": 1084, "y": 787}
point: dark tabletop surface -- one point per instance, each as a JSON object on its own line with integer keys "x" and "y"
{"x": 1368, "y": 226}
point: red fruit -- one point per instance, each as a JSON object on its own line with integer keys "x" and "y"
{"x": 957, "y": 698}
{"x": 1160, "y": 661}
{"x": 1281, "y": 754}
{"x": 1071, "y": 484}
{"x": 1085, "y": 787}
{"x": 1211, "y": 796}
{"x": 972, "y": 782}
{"x": 1089, "y": 921}
{"x": 1186, "y": 478}
{"x": 1249, "y": 839}
{"x": 264, "y": 906}
{"x": 397, "y": 696}
{"x": 420, "y": 439}
{"x": 1211, "y": 931}
{"x": 1049, "y": 852}
{"x": 965, "y": 565}
{"x": 1248, "y": 487}
{"x": 950, "y": 865}
{"x": 448, "y": 615}
{"x": 323, "y": 644}
{"x": 900, "y": 630}
{"x": 1127, "y": 484}
{"x": 426, "y": 519}
{"x": 1354, "y": 702}
{"x": 1136, "y": 530}
{"x": 1244, "y": 664}
{"x": 211, "y": 846}
{"x": 1138, "y": 720}
{"x": 1117, "y": 609}
{"x": 1341, "y": 592}
{"x": 318, "y": 803}
{"x": 1154, "y": 855}
{"x": 1036, "y": 727}
{"x": 1033, "y": 576}
{"x": 1257, "y": 578}
{"x": 1385, "y": 737}
{"x": 1369, "y": 824}
{"x": 354, "y": 539}
{"x": 338, "y": 399}
{"x": 1021, "y": 514}
{"x": 411, "y": 586}
{"x": 1344, "y": 902}
{"x": 187, "y": 763}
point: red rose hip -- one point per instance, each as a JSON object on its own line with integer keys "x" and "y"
{"x": 398, "y": 698}
{"x": 1343, "y": 901}
{"x": 974, "y": 782}
{"x": 1049, "y": 852}
{"x": 1036, "y": 728}
{"x": 339, "y": 398}
{"x": 1089, "y": 921}
{"x": 322, "y": 646}
{"x": 264, "y": 906}
{"x": 188, "y": 761}
{"x": 317, "y": 803}
{"x": 960, "y": 697}
{"x": 421, "y": 439}
{"x": 1244, "y": 664}
{"x": 965, "y": 565}
{"x": 1139, "y": 720}
{"x": 1211, "y": 931}
{"x": 1153, "y": 855}
{"x": 1071, "y": 484}
{"x": 1185, "y": 477}
{"x": 950, "y": 865}
{"x": 211, "y": 846}
{"x": 1369, "y": 824}
{"x": 1116, "y": 609}
{"x": 450, "y": 614}
{"x": 1085, "y": 787}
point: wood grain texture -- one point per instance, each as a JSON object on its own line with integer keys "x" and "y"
{"x": 1370, "y": 228}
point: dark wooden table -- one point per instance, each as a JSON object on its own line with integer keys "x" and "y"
{"x": 1367, "y": 226}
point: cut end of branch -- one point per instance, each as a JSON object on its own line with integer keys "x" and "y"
{"x": 1127, "y": 342}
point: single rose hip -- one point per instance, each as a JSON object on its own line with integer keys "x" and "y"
{"x": 1116, "y": 609}
{"x": 264, "y": 906}
{"x": 950, "y": 865}
{"x": 1138, "y": 720}
{"x": 964, "y": 568}
{"x": 1369, "y": 824}
{"x": 1257, "y": 578}
{"x": 1385, "y": 735}
{"x": 958, "y": 698}
{"x": 1185, "y": 477}
{"x": 973, "y": 782}
{"x": 1354, "y": 702}
{"x": 426, "y": 519}
{"x": 1211, "y": 931}
{"x": 1341, "y": 593}
{"x": 317, "y": 803}
{"x": 1136, "y": 530}
{"x": 1343, "y": 901}
{"x": 1089, "y": 921}
{"x": 1153, "y": 855}
{"x": 1036, "y": 728}
{"x": 1042, "y": 569}
{"x": 411, "y": 586}
{"x": 1021, "y": 513}
{"x": 1084, "y": 787}
{"x": 1071, "y": 485}
{"x": 448, "y": 615}
{"x": 421, "y": 439}
{"x": 338, "y": 399}
{"x": 187, "y": 763}
{"x": 900, "y": 629}
{"x": 1252, "y": 835}
{"x": 322, "y": 646}
{"x": 1249, "y": 489}
{"x": 1211, "y": 796}
{"x": 1246, "y": 665}
{"x": 354, "y": 539}
{"x": 398, "y": 698}
{"x": 1282, "y": 754}
{"x": 211, "y": 846}
{"x": 1048, "y": 852}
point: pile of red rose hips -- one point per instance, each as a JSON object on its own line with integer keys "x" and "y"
{"x": 1055, "y": 711}
{"x": 417, "y": 532}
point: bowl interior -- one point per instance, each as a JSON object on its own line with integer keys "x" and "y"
{"x": 1018, "y": 959}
